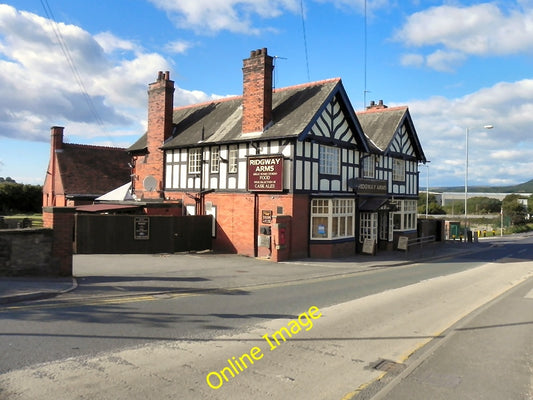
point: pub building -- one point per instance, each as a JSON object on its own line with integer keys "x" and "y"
{"x": 286, "y": 173}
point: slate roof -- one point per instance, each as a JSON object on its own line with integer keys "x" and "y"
{"x": 381, "y": 124}
{"x": 294, "y": 110}
{"x": 92, "y": 170}
{"x": 221, "y": 121}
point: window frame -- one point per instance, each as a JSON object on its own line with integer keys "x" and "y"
{"x": 369, "y": 166}
{"x": 194, "y": 161}
{"x": 332, "y": 219}
{"x": 405, "y": 218}
{"x": 329, "y": 160}
{"x": 398, "y": 170}
{"x": 233, "y": 160}
{"x": 214, "y": 164}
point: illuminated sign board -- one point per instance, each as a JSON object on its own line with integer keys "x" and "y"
{"x": 265, "y": 173}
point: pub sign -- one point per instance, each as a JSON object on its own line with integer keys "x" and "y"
{"x": 265, "y": 173}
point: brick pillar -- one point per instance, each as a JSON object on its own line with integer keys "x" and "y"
{"x": 281, "y": 233}
{"x": 61, "y": 220}
{"x": 257, "y": 91}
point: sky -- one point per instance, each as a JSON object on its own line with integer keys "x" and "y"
{"x": 458, "y": 65}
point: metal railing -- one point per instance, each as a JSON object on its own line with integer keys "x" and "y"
{"x": 420, "y": 240}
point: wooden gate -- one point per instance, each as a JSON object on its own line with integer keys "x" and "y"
{"x": 141, "y": 234}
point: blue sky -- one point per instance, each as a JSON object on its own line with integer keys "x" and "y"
{"x": 458, "y": 65}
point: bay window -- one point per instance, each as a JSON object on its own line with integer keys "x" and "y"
{"x": 332, "y": 218}
{"x": 404, "y": 219}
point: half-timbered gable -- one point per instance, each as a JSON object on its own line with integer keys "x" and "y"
{"x": 392, "y": 132}
{"x": 328, "y": 151}
{"x": 394, "y": 160}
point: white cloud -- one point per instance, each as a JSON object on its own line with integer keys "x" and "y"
{"x": 502, "y": 154}
{"x": 178, "y": 46}
{"x": 458, "y": 31}
{"x": 412, "y": 60}
{"x": 111, "y": 43}
{"x": 39, "y": 88}
{"x": 444, "y": 61}
{"x": 218, "y": 15}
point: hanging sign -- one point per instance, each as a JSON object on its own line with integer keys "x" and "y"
{"x": 265, "y": 173}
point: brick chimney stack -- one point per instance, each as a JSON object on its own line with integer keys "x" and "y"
{"x": 160, "y": 108}
{"x": 374, "y": 106}
{"x": 160, "y": 113}
{"x": 257, "y": 91}
{"x": 56, "y": 134}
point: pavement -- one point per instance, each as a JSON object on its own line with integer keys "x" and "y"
{"x": 120, "y": 275}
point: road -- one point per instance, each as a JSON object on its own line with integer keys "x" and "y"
{"x": 165, "y": 346}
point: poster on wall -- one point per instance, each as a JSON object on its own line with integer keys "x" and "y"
{"x": 265, "y": 173}
{"x": 141, "y": 228}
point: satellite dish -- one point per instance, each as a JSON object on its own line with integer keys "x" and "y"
{"x": 150, "y": 183}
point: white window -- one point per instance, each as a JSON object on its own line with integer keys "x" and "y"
{"x": 368, "y": 227}
{"x": 404, "y": 219}
{"x": 332, "y": 218}
{"x": 215, "y": 160}
{"x": 398, "y": 170}
{"x": 329, "y": 160}
{"x": 369, "y": 166}
{"x": 195, "y": 161}
{"x": 233, "y": 160}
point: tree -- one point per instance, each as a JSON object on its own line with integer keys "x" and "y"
{"x": 483, "y": 205}
{"x": 513, "y": 208}
{"x": 17, "y": 197}
{"x": 434, "y": 207}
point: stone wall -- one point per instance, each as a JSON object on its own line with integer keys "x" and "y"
{"x": 26, "y": 252}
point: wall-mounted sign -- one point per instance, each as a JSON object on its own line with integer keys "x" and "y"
{"x": 141, "y": 228}
{"x": 368, "y": 186}
{"x": 266, "y": 216}
{"x": 265, "y": 173}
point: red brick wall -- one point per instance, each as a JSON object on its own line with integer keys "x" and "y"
{"x": 61, "y": 220}
{"x": 332, "y": 250}
{"x": 235, "y": 220}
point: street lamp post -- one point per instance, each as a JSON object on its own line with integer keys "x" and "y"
{"x": 427, "y": 189}
{"x": 466, "y": 180}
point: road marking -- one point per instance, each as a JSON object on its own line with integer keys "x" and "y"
{"x": 106, "y": 301}
{"x": 529, "y": 294}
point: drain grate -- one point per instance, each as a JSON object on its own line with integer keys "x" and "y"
{"x": 388, "y": 366}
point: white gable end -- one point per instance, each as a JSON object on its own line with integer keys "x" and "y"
{"x": 333, "y": 124}
{"x": 401, "y": 143}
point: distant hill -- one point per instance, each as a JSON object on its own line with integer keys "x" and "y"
{"x": 526, "y": 187}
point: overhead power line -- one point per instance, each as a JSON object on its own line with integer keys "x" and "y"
{"x": 72, "y": 64}
{"x": 305, "y": 40}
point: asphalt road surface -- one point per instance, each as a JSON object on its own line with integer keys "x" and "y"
{"x": 164, "y": 346}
